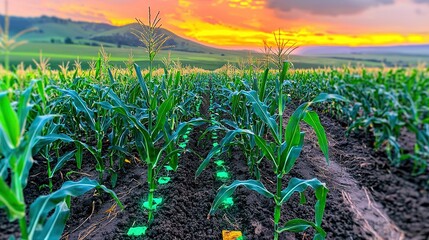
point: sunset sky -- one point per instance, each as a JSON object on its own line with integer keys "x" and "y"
{"x": 245, "y": 23}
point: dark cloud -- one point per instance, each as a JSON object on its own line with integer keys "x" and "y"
{"x": 329, "y": 7}
{"x": 421, "y": 1}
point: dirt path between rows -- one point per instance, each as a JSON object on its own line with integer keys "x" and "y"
{"x": 369, "y": 213}
{"x": 387, "y": 201}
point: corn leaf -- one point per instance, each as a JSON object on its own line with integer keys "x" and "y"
{"x": 61, "y": 161}
{"x": 81, "y": 106}
{"x": 9, "y": 121}
{"x": 300, "y": 225}
{"x": 261, "y": 109}
{"x": 224, "y": 143}
{"x": 312, "y": 119}
{"x": 40, "y": 209}
{"x": 226, "y": 191}
{"x": 14, "y": 208}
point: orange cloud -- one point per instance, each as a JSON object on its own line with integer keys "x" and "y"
{"x": 245, "y": 23}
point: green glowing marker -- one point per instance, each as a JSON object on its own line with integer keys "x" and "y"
{"x": 156, "y": 202}
{"x": 222, "y": 175}
{"x": 164, "y": 180}
{"x": 219, "y": 163}
{"x": 228, "y": 202}
{"x": 137, "y": 231}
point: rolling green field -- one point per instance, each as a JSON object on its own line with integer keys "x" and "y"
{"x": 61, "y": 53}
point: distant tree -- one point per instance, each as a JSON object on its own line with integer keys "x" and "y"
{"x": 68, "y": 40}
{"x": 52, "y": 40}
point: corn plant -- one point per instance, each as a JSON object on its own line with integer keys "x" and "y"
{"x": 282, "y": 151}
{"x": 151, "y": 38}
{"x": 94, "y": 118}
{"x": 154, "y": 136}
{"x": 48, "y": 214}
{"x": 280, "y": 52}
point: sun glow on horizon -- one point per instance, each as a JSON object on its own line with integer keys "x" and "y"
{"x": 246, "y": 23}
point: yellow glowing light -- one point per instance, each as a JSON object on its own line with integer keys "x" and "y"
{"x": 122, "y": 22}
{"x": 246, "y": 23}
{"x": 224, "y": 36}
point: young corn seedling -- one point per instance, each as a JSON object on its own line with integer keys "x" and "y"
{"x": 48, "y": 214}
{"x": 283, "y": 152}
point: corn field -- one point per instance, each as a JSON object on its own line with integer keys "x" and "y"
{"x": 68, "y": 137}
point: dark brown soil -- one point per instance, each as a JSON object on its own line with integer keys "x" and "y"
{"x": 405, "y": 198}
{"x": 368, "y": 199}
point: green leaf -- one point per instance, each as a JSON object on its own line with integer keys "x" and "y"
{"x": 24, "y": 107}
{"x": 266, "y": 149}
{"x": 40, "y": 209}
{"x": 321, "y": 195}
{"x": 9, "y": 121}
{"x": 61, "y": 161}
{"x": 293, "y": 133}
{"x": 312, "y": 119}
{"x": 299, "y": 186}
{"x": 42, "y": 141}
{"x": 54, "y": 227}
{"x": 112, "y": 79}
{"x": 325, "y": 96}
{"x": 81, "y": 106}
{"x": 142, "y": 83}
{"x": 261, "y": 110}
{"x": 300, "y": 225}
{"x": 22, "y": 165}
{"x": 263, "y": 85}
{"x": 161, "y": 117}
{"x": 226, "y": 191}
{"x": 285, "y": 68}
{"x": 225, "y": 142}
{"x": 292, "y": 155}
{"x": 14, "y": 208}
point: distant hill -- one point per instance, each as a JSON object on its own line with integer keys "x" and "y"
{"x": 56, "y": 30}
{"x": 123, "y": 35}
{"x": 422, "y": 50}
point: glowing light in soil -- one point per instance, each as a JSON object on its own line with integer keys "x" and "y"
{"x": 219, "y": 163}
{"x": 137, "y": 231}
{"x": 222, "y": 175}
{"x": 164, "y": 180}
{"x": 156, "y": 202}
{"x": 228, "y": 202}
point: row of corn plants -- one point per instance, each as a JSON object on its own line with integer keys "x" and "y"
{"x": 25, "y": 132}
{"x": 256, "y": 125}
{"x": 387, "y": 103}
